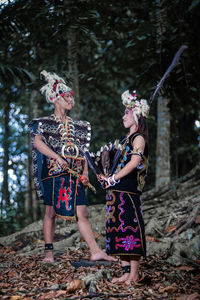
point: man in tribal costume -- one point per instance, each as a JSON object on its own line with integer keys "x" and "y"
{"x": 59, "y": 167}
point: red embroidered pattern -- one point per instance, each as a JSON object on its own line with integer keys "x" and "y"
{"x": 65, "y": 196}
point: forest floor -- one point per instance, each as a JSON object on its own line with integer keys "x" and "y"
{"x": 74, "y": 276}
{"x": 171, "y": 270}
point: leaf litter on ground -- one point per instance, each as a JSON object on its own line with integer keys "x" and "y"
{"x": 25, "y": 277}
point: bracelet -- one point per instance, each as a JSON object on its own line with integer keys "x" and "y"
{"x": 110, "y": 184}
{"x": 113, "y": 179}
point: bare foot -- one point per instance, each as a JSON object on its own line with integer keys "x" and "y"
{"x": 48, "y": 257}
{"x": 121, "y": 279}
{"x": 102, "y": 256}
{"x": 136, "y": 280}
{"x": 133, "y": 283}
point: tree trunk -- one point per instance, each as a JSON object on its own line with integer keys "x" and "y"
{"x": 73, "y": 68}
{"x": 5, "y": 186}
{"x": 31, "y": 206}
{"x": 163, "y": 114}
{"x": 163, "y": 143}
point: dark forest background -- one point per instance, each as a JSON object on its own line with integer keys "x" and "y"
{"x": 101, "y": 48}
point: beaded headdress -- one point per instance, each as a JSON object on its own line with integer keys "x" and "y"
{"x": 139, "y": 107}
{"x": 55, "y": 87}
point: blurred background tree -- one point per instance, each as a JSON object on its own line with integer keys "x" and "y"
{"x": 101, "y": 49}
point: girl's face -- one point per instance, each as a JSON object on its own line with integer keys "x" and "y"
{"x": 128, "y": 118}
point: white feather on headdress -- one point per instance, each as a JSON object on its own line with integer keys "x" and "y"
{"x": 55, "y": 86}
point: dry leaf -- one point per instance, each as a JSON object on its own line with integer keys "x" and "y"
{"x": 169, "y": 289}
{"x": 4, "y": 285}
{"x": 98, "y": 236}
{"x": 197, "y": 220}
{"x": 186, "y": 268}
{"x": 194, "y": 296}
{"x": 76, "y": 284}
{"x": 48, "y": 296}
{"x": 170, "y": 228}
{"x": 39, "y": 242}
{"x": 15, "y": 298}
{"x": 12, "y": 274}
{"x": 152, "y": 239}
{"x": 60, "y": 293}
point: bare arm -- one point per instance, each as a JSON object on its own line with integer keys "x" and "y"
{"x": 85, "y": 179}
{"x": 85, "y": 169}
{"x": 138, "y": 145}
{"x": 44, "y": 149}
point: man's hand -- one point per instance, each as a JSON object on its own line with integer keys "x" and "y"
{"x": 103, "y": 180}
{"x": 84, "y": 180}
{"x": 62, "y": 163}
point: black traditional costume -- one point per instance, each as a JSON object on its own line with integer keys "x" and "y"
{"x": 125, "y": 234}
{"x": 55, "y": 186}
{"x": 124, "y": 221}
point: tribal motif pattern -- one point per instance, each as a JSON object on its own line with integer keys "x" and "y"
{"x": 65, "y": 195}
{"x": 124, "y": 224}
{"x": 128, "y": 243}
{"x": 121, "y": 210}
{"x": 53, "y": 167}
{"x": 73, "y": 132}
{"x": 49, "y": 128}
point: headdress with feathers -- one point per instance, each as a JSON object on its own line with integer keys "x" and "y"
{"x": 139, "y": 107}
{"x": 55, "y": 87}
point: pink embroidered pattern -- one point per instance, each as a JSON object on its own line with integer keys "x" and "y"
{"x": 65, "y": 196}
{"x": 128, "y": 243}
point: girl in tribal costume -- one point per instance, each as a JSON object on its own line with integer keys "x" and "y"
{"x": 125, "y": 235}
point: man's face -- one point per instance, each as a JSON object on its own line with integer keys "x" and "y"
{"x": 67, "y": 101}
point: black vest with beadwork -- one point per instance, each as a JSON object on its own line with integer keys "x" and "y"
{"x": 133, "y": 182}
{"x": 69, "y": 140}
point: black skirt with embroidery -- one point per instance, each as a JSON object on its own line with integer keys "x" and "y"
{"x": 125, "y": 233}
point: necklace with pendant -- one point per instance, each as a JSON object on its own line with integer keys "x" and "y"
{"x": 66, "y": 130}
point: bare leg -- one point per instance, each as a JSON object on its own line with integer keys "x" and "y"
{"x": 125, "y": 261}
{"x": 133, "y": 276}
{"x": 48, "y": 228}
{"x": 87, "y": 233}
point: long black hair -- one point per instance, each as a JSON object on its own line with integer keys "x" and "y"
{"x": 143, "y": 128}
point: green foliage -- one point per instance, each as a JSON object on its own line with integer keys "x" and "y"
{"x": 117, "y": 50}
{"x": 10, "y": 75}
